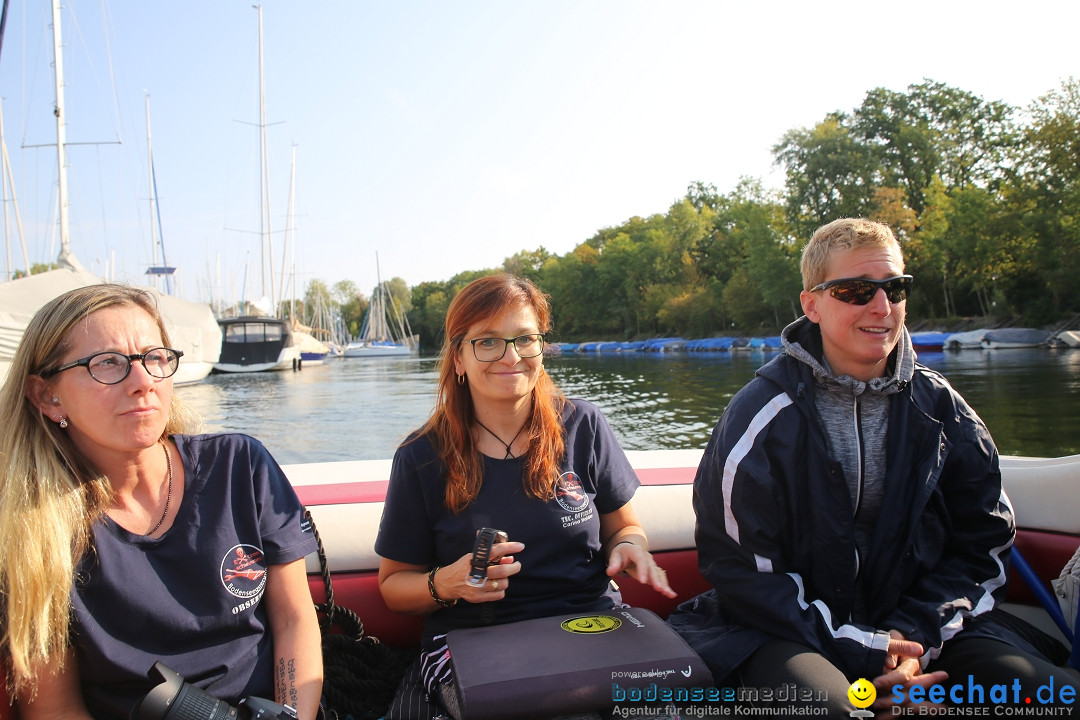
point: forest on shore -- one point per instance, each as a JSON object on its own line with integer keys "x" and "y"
{"x": 983, "y": 196}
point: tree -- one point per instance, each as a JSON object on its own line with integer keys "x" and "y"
{"x": 1047, "y": 193}
{"x": 831, "y": 173}
{"x": 934, "y": 131}
{"x": 352, "y": 305}
{"x": 527, "y": 263}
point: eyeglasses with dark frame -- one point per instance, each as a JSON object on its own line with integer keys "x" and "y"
{"x": 112, "y": 368}
{"x": 487, "y": 349}
{"x": 860, "y": 291}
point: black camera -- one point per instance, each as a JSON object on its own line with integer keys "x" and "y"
{"x": 174, "y": 699}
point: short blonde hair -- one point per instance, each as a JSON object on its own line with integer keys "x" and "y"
{"x": 843, "y": 234}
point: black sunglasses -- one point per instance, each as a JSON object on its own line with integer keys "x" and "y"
{"x": 860, "y": 291}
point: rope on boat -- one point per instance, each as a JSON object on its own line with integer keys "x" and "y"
{"x": 360, "y": 673}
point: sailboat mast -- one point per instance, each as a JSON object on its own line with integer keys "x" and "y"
{"x": 150, "y": 181}
{"x": 65, "y": 258}
{"x": 8, "y": 182}
{"x": 264, "y": 182}
{"x": 290, "y": 242}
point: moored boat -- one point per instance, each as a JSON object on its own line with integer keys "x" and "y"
{"x": 256, "y": 344}
{"x": 1067, "y": 338}
{"x": 312, "y": 350}
{"x": 376, "y": 348}
{"x": 386, "y": 331}
{"x": 346, "y": 499}
{"x": 1006, "y": 338}
{"x": 931, "y": 341}
{"x": 968, "y": 339}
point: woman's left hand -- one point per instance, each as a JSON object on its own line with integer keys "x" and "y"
{"x": 637, "y": 562}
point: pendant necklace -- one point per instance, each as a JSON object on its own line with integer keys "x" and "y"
{"x": 168, "y": 497}
{"x": 509, "y": 455}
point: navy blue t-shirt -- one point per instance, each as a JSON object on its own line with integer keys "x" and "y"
{"x": 562, "y": 566}
{"x": 191, "y": 597}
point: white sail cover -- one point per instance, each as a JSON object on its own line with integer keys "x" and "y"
{"x": 192, "y": 327}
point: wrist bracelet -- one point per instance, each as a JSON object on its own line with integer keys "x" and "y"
{"x": 434, "y": 594}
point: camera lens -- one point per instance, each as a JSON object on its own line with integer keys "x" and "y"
{"x": 193, "y": 704}
{"x": 174, "y": 699}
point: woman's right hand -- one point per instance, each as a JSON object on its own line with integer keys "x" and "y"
{"x": 452, "y": 582}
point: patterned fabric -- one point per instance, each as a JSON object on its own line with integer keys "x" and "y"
{"x": 411, "y": 701}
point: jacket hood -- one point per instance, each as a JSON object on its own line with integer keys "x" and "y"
{"x": 802, "y": 341}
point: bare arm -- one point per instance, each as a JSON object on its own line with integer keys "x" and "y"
{"x": 298, "y": 672}
{"x": 627, "y": 550}
{"x": 57, "y": 695}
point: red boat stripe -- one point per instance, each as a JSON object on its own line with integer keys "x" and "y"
{"x": 375, "y": 490}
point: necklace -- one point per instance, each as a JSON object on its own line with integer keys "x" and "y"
{"x": 168, "y": 497}
{"x": 509, "y": 455}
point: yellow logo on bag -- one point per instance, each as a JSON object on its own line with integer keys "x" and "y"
{"x": 591, "y": 624}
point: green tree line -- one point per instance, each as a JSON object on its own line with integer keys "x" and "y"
{"x": 984, "y": 197}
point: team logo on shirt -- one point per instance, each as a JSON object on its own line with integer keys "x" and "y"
{"x": 570, "y": 494}
{"x": 243, "y": 571}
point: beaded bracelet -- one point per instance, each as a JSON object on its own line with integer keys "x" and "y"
{"x": 434, "y": 594}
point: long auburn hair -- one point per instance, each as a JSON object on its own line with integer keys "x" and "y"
{"x": 50, "y": 495}
{"x": 450, "y": 422}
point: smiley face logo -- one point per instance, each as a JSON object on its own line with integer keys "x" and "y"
{"x": 591, "y": 624}
{"x": 862, "y": 693}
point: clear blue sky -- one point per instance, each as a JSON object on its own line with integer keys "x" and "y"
{"x": 448, "y": 135}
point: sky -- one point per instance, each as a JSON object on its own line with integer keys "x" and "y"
{"x": 440, "y": 136}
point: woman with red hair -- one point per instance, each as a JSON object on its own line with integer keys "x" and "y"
{"x": 505, "y": 449}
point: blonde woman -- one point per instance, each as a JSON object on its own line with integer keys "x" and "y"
{"x": 124, "y": 542}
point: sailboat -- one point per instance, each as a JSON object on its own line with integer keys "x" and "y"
{"x": 386, "y": 331}
{"x": 191, "y": 326}
{"x": 257, "y": 343}
{"x": 312, "y": 350}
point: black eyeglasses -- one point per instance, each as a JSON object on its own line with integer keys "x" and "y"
{"x": 860, "y": 291}
{"x": 491, "y": 349}
{"x": 110, "y": 368}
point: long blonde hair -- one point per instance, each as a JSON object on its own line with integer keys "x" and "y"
{"x": 481, "y": 300}
{"x": 50, "y": 495}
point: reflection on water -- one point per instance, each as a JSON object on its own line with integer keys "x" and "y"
{"x": 355, "y": 409}
{"x": 343, "y": 410}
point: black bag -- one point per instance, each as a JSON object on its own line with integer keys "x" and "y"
{"x": 360, "y": 674}
{"x": 570, "y": 664}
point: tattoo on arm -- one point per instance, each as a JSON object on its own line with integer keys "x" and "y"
{"x": 286, "y": 682}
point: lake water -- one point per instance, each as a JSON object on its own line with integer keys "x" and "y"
{"x": 360, "y": 409}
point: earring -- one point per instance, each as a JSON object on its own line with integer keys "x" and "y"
{"x": 461, "y": 379}
{"x": 55, "y": 400}
{"x": 63, "y": 423}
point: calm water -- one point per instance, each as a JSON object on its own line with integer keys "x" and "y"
{"x": 358, "y": 409}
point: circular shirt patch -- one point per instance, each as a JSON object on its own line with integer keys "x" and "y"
{"x": 590, "y": 624}
{"x": 243, "y": 571}
{"x": 570, "y": 493}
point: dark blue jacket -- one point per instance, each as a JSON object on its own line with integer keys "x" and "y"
{"x": 775, "y": 530}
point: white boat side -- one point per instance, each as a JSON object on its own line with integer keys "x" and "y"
{"x": 1043, "y": 491}
{"x": 1070, "y": 338}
